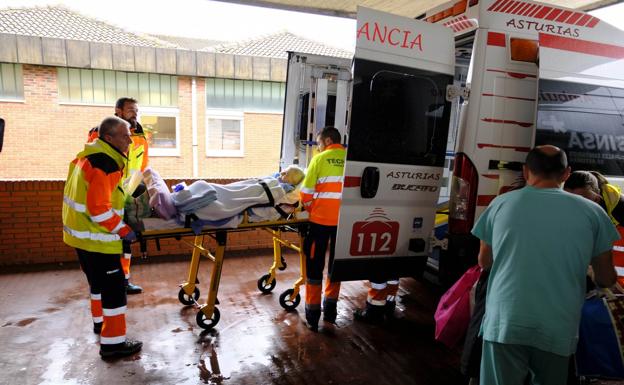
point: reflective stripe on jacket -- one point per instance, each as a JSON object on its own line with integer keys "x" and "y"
{"x": 93, "y": 201}
{"x": 322, "y": 187}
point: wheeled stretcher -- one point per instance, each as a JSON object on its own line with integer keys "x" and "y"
{"x": 208, "y": 315}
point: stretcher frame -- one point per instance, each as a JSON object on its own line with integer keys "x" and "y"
{"x": 208, "y": 315}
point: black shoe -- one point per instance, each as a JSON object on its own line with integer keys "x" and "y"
{"x": 97, "y": 327}
{"x": 120, "y": 350}
{"x": 312, "y": 327}
{"x": 330, "y": 313}
{"x": 369, "y": 315}
{"x": 133, "y": 289}
{"x": 312, "y": 318}
{"x": 389, "y": 309}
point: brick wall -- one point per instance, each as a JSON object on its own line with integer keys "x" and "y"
{"x": 31, "y": 227}
{"x": 42, "y": 136}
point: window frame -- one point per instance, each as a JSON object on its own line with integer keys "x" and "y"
{"x": 163, "y": 112}
{"x": 18, "y": 74}
{"x": 111, "y": 82}
{"x": 226, "y": 115}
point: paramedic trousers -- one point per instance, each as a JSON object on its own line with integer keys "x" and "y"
{"x": 106, "y": 284}
{"x": 509, "y": 364}
{"x": 126, "y": 256}
{"x": 381, "y": 293}
{"x": 315, "y": 246}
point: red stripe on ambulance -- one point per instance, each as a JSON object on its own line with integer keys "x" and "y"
{"x": 582, "y": 46}
{"x": 517, "y": 75}
{"x": 495, "y": 38}
{"x": 352, "y": 181}
{"x": 504, "y": 121}
{"x": 515, "y": 148}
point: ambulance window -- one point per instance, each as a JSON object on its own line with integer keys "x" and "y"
{"x": 304, "y": 102}
{"x": 584, "y": 120}
{"x": 399, "y": 115}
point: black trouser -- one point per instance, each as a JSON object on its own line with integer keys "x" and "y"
{"x": 106, "y": 278}
{"x": 319, "y": 236}
{"x": 315, "y": 248}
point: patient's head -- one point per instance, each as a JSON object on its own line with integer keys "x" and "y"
{"x": 585, "y": 184}
{"x": 292, "y": 175}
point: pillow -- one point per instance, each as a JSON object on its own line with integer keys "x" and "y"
{"x": 160, "y": 197}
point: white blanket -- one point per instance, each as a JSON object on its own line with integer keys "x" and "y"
{"x": 234, "y": 198}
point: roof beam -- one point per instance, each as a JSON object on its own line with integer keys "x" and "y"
{"x": 408, "y": 8}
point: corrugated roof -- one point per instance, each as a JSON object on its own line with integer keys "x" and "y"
{"x": 62, "y": 23}
{"x": 277, "y": 45}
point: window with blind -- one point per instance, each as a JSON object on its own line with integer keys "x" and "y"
{"x": 105, "y": 87}
{"x": 245, "y": 95}
{"x": 224, "y": 134}
{"x": 11, "y": 81}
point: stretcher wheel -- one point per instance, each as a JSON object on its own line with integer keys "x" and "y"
{"x": 206, "y": 323}
{"x": 265, "y": 287}
{"x": 284, "y": 265}
{"x": 186, "y": 299}
{"x": 286, "y": 300}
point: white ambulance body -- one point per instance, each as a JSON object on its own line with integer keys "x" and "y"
{"x": 538, "y": 75}
{"x": 471, "y": 66}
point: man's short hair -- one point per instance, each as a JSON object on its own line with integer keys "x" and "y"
{"x": 545, "y": 165}
{"x": 109, "y": 126}
{"x": 331, "y": 133}
{"x": 121, "y": 102}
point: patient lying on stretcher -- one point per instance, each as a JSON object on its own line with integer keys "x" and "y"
{"x": 222, "y": 205}
{"x": 289, "y": 179}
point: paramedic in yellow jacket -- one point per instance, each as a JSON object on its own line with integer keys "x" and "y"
{"x": 320, "y": 194}
{"x": 594, "y": 186}
{"x": 93, "y": 203}
{"x": 128, "y": 109}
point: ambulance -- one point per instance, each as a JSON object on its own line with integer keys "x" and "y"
{"x": 483, "y": 81}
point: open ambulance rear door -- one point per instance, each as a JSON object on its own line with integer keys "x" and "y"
{"x": 317, "y": 95}
{"x": 581, "y": 100}
{"x": 396, "y": 146}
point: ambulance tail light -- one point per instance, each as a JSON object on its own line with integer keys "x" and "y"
{"x": 524, "y": 50}
{"x": 463, "y": 199}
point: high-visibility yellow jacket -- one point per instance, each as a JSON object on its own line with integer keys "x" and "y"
{"x": 138, "y": 154}
{"x": 322, "y": 187}
{"x": 93, "y": 201}
{"x": 611, "y": 196}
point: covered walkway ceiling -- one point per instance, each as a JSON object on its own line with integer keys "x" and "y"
{"x": 409, "y": 8}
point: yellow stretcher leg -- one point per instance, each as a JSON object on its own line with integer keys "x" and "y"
{"x": 302, "y": 264}
{"x": 189, "y": 293}
{"x": 290, "y": 298}
{"x": 267, "y": 282}
{"x": 209, "y": 315}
